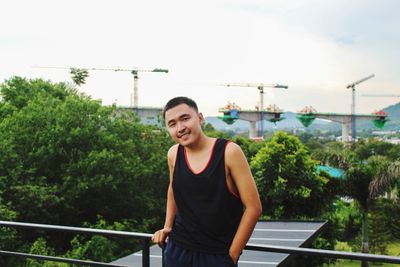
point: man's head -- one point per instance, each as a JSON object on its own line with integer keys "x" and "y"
{"x": 176, "y": 101}
{"x": 183, "y": 120}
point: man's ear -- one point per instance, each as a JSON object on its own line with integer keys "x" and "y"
{"x": 201, "y": 118}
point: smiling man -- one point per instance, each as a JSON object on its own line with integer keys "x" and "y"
{"x": 212, "y": 201}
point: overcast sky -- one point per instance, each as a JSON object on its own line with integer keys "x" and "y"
{"x": 315, "y": 47}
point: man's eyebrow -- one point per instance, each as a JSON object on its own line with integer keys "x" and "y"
{"x": 184, "y": 115}
{"x": 180, "y": 117}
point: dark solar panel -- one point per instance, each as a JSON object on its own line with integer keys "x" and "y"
{"x": 278, "y": 233}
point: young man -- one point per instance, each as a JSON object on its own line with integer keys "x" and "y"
{"x": 212, "y": 201}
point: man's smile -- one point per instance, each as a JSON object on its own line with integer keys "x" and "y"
{"x": 183, "y": 134}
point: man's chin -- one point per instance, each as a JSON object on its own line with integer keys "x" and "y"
{"x": 184, "y": 140}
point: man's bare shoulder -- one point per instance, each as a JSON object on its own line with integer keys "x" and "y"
{"x": 172, "y": 153}
{"x": 234, "y": 154}
{"x": 232, "y": 149}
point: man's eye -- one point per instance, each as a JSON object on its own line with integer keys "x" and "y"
{"x": 171, "y": 125}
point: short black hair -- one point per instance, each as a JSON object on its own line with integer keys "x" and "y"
{"x": 176, "y": 101}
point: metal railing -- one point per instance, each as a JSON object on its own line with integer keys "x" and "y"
{"x": 146, "y": 238}
{"x": 58, "y": 259}
{"x": 325, "y": 253}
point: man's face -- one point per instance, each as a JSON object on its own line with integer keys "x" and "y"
{"x": 183, "y": 124}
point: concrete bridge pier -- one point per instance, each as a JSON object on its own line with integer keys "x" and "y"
{"x": 253, "y": 131}
{"x": 254, "y": 116}
{"x": 346, "y": 132}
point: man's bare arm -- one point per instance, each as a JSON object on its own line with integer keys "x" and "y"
{"x": 240, "y": 172}
{"x": 160, "y": 236}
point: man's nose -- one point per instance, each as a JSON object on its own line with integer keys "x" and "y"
{"x": 181, "y": 127}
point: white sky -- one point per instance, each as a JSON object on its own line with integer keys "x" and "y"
{"x": 315, "y": 47}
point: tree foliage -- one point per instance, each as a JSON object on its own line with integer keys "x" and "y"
{"x": 66, "y": 159}
{"x": 369, "y": 172}
{"x": 79, "y": 75}
{"x": 250, "y": 147}
{"x": 287, "y": 180}
{"x": 7, "y": 235}
{"x": 368, "y": 175}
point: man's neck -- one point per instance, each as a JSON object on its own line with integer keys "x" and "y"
{"x": 203, "y": 143}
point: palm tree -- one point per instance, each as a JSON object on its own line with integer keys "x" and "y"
{"x": 366, "y": 179}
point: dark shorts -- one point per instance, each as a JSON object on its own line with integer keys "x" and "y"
{"x": 175, "y": 256}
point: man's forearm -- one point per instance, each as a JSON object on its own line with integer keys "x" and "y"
{"x": 171, "y": 209}
{"x": 160, "y": 236}
{"x": 244, "y": 231}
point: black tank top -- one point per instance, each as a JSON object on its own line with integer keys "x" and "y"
{"x": 208, "y": 214}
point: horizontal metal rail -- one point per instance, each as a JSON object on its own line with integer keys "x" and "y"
{"x": 324, "y": 253}
{"x": 74, "y": 229}
{"x": 58, "y": 259}
{"x": 146, "y": 243}
{"x": 145, "y": 237}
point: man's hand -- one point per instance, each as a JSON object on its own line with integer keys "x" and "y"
{"x": 160, "y": 236}
{"x": 234, "y": 256}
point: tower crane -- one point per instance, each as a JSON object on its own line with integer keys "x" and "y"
{"x": 260, "y": 87}
{"x": 380, "y": 95}
{"x": 353, "y": 103}
{"x": 133, "y": 71}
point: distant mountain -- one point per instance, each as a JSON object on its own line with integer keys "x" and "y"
{"x": 291, "y": 122}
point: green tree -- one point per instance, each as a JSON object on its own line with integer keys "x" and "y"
{"x": 379, "y": 228}
{"x": 101, "y": 248}
{"x": 287, "y": 180}
{"x": 17, "y": 91}
{"x": 79, "y": 75}
{"x": 367, "y": 177}
{"x": 7, "y": 235}
{"x": 366, "y": 148}
{"x": 40, "y": 247}
{"x": 66, "y": 159}
{"x": 390, "y": 209}
{"x": 250, "y": 147}
{"x": 291, "y": 188}
{"x": 208, "y": 127}
{"x": 209, "y": 130}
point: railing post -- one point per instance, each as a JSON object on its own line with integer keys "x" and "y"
{"x": 162, "y": 257}
{"x": 146, "y": 252}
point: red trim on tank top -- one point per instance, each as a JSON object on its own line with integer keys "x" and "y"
{"x": 208, "y": 163}
{"x": 226, "y": 180}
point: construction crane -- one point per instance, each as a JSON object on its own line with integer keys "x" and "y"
{"x": 353, "y": 103}
{"x": 260, "y": 87}
{"x": 134, "y": 71}
{"x": 380, "y": 95}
